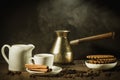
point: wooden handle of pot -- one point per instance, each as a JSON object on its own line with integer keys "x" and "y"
{"x": 96, "y": 37}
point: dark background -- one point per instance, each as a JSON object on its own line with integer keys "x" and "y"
{"x": 34, "y": 21}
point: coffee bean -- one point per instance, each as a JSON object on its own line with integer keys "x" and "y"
{"x": 80, "y": 75}
{"x": 71, "y": 71}
{"x": 32, "y": 76}
{"x": 92, "y": 78}
{"x": 12, "y": 73}
{"x": 9, "y": 72}
{"x": 108, "y": 74}
{"x": 68, "y": 76}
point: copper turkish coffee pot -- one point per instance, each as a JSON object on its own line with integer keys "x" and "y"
{"x": 62, "y": 50}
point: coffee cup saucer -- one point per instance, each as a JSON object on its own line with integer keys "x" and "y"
{"x": 55, "y": 70}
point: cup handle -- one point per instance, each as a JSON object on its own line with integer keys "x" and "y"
{"x": 31, "y": 60}
{"x": 3, "y": 52}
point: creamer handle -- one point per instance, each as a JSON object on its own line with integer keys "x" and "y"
{"x": 3, "y": 52}
{"x": 96, "y": 37}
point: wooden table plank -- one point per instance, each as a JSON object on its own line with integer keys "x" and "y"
{"x": 77, "y": 67}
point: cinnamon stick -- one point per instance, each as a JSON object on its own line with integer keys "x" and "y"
{"x": 41, "y": 70}
{"x": 36, "y": 66}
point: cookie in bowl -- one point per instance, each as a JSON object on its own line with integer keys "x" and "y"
{"x": 101, "y": 61}
{"x": 100, "y": 56}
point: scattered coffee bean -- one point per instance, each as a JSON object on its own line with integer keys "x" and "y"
{"x": 108, "y": 74}
{"x": 32, "y": 76}
{"x": 12, "y": 73}
{"x": 92, "y": 78}
{"x": 72, "y": 73}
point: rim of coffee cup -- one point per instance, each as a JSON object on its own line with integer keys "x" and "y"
{"x": 44, "y": 55}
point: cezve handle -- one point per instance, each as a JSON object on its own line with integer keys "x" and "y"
{"x": 96, "y": 37}
{"x": 3, "y": 52}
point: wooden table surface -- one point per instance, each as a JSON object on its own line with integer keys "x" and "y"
{"x": 75, "y": 71}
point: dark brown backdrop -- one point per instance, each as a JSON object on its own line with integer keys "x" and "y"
{"x": 34, "y": 21}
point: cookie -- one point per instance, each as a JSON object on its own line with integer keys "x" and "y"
{"x": 104, "y": 61}
{"x": 99, "y": 56}
{"x": 107, "y": 59}
{"x": 101, "y": 59}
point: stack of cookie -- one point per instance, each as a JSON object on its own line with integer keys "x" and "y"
{"x": 100, "y": 59}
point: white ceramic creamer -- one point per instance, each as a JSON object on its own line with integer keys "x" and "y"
{"x": 19, "y": 55}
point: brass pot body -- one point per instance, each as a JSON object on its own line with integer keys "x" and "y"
{"x": 61, "y": 48}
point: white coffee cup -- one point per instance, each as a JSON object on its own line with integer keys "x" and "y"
{"x": 43, "y": 59}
